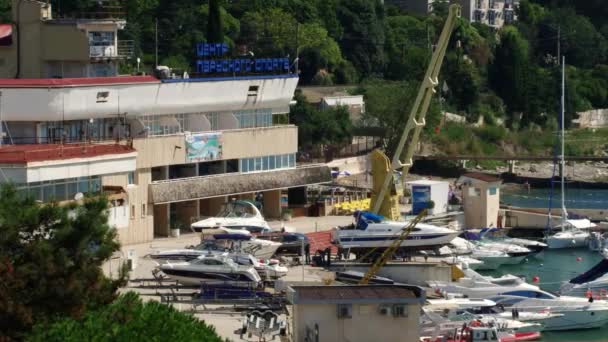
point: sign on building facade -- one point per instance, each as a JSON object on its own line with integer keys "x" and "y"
{"x": 202, "y": 147}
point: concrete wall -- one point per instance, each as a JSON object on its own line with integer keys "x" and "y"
{"x": 236, "y": 144}
{"x": 407, "y": 273}
{"x": 247, "y": 143}
{"x": 64, "y": 42}
{"x": 524, "y": 219}
{"x": 366, "y": 324}
{"x": 141, "y": 225}
{"x": 592, "y": 118}
{"x": 354, "y": 165}
{"x": 148, "y": 98}
{"x": 481, "y": 211}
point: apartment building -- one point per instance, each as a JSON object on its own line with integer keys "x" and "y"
{"x": 494, "y": 13}
{"x": 165, "y": 151}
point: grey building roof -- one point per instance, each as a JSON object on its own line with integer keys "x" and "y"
{"x": 356, "y": 294}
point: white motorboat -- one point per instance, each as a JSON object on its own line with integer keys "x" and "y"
{"x": 373, "y": 231}
{"x": 451, "y": 313}
{"x": 516, "y": 253}
{"x": 575, "y": 236}
{"x": 235, "y": 215}
{"x": 593, "y": 282}
{"x": 496, "y": 235}
{"x": 269, "y": 269}
{"x": 471, "y": 263}
{"x": 212, "y": 270}
{"x": 492, "y": 258}
{"x": 573, "y": 313}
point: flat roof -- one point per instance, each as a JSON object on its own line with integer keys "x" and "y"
{"x": 482, "y": 177}
{"x": 22, "y": 154}
{"x": 426, "y": 182}
{"x": 346, "y": 294}
{"x": 70, "y": 82}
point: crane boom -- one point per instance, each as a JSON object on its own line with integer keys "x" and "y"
{"x": 416, "y": 118}
{"x": 390, "y": 251}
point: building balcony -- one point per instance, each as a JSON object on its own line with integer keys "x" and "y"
{"x": 186, "y": 189}
{"x": 235, "y": 144}
{"x": 48, "y": 162}
{"x": 124, "y": 49}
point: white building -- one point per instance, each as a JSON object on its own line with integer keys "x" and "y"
{"x": 166, "y": 151}
{"x": 494, "y": 13}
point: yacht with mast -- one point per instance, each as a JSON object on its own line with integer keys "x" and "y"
{"x": 574, "y": 233}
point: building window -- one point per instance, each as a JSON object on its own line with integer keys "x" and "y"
{"x": 266, "y": 163}
{"x": 345, "y": 311}
{"x": 131, "y": 178}
{"x": 143, "y": 210}
{"x": 474, "y": 192}
{"x": 61, "y": 189}
{"x": 254, "y": 118}
{"x": 492, "y": 191}
{"x": 492, "y": 18}
{"x": 400, "y": 310}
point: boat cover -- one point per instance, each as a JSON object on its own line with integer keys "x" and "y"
{"x": 365, "y": 217}
{"x": 595, "y": 272}
{"x": 231, "y": 237}
{"x": 472, "y": 236}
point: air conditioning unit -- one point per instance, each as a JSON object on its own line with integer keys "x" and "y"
{"x": 345, "y": 311}
{"x": 384, "y": 310}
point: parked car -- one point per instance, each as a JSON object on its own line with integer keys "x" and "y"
{"x": 291, "y": 243}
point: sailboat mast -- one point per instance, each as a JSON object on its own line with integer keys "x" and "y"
{"x": 563, "y": 127}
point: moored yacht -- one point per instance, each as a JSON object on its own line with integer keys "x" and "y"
{"x": 373, "y": 231}
{"x": 594, "y": 282}
{"x": 212, "y": 270}
{"x": 574, "y": 234}
{"x": 235, "y": 215}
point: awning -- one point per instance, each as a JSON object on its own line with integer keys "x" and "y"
{"x": 6, "y": 34}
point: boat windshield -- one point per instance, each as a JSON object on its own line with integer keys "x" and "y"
{"x": 238, "y": 209}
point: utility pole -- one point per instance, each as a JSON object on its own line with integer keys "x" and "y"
{"x": 559, "y": 44}
{"x": 156, "y": 43}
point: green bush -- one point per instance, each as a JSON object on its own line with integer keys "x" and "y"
{"x": 491, "y": 134}
{"x": 128, "y": 319}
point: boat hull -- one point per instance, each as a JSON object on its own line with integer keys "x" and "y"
{"x": 193, "y": 278}
{"x": 417, "y": 242}
{"x": 556, "y": 242}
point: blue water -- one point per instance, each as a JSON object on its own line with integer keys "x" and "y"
{"x": 553, "y": 267}
{"x": 576, "y": 198}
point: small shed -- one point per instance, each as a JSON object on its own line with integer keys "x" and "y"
{"x": 480, "y": 199}
{"x": 425, "y": 192}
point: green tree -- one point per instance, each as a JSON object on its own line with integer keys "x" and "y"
{"x": 50, "y": 260}
{"x": 387, "y": 106}
{"x": 407, "y": 47}
{"x": 508, "y": 72}
{"x": 127, "y": 319}
{"x": 215, "y": 31}
{"x": 363, "y": 40}
{"x": 320, "y": 127}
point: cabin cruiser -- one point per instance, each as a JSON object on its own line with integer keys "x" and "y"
{"x": 451, "y": 313}
{"x": 269, "y": 269}
{"x": 492, "y": 258}
{"x": 573, "y": 313}
{"x": 212, "y": 270}
{"x": 373, "y": 231}
{"x": 474, "y": 285}
{"x": 487, "y": 235}
{"x": 235, "y": 215}
{"x": 472, "y": 263}
{"x": 574, "y": 234}
{"x": 225, "y": 240}
{"x": 592, "y": 282}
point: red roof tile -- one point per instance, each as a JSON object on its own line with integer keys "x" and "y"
{"x": 71, "y": 82}
{"x": 22, "y": 154}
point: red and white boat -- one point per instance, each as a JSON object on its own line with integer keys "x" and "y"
{"x": 476, "y": 332}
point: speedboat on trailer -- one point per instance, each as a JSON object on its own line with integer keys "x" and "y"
{"x": 235, "y": 215}
{"x": 212, "y": 270}
{"x": 373, "y": 231}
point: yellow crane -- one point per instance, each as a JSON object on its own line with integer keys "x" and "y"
{"x": 382, "y": 171}
{"x": 415, "y": 122}
{"x": 388, "y": 253}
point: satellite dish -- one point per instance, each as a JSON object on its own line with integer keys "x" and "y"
{"x": 78, "y": 196}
